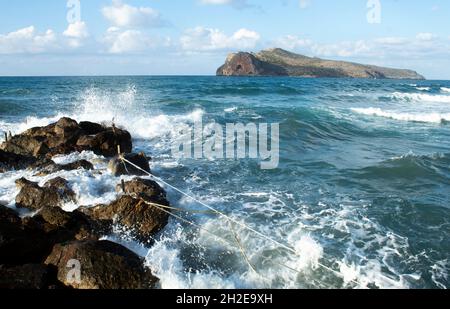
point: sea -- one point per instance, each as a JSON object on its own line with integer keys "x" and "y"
{"x": 361, "y": 192}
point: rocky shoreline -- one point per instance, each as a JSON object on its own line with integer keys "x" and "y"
{"x": 38, "y": 251}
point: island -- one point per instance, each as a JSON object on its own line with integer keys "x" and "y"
{"x": 279, "y": 62}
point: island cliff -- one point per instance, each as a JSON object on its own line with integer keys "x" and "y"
{"x": 279, "y": 62}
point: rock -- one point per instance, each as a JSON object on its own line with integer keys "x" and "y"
{"x": 149, "y": 190}
{"x": 279, "y": 62}
{"x": 104, "y": 265}
{"x": 142, "y": 220}
{"x": 60, "y": 184}
{"x": 67, "y": 129}
{"x": 20, "y": 244}
{"x": 8, "y": 215}
{"x": 53, "y": 194}
{"x": 61, "y": 226}
{"x": 12, "y": 161}
{"x": 246, "y": 64}
{"x": 26, "y": 146}
{"x": 80, "y": 164}
{"x": 32, "y": 196}
{"x": 105, "y": 143}
{"x": 117, "y": 167}
{"x": 91, "y": 128}
{"x": 28, "y": 276}
{"x": 67, "y": 136}
{"x": 47, "y": 166}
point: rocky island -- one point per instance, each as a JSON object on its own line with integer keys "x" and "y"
{"x": 279, "y": 62}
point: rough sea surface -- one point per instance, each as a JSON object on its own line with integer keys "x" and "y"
{"x": 362, "y": 191}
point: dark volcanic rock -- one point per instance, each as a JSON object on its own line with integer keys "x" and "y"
{"x": 62, "y": 186}
{"x": 141, "y": 219}
{"x": 104, "y": 265}
{"x": 20, "y": 244}
{"x": 61, "y": 226}
{"x": 68, "y": 136}
{"x": 118, "y": 167}
{"x": 149, "y": 190}
{"x": 32, "y": 196}
{"x": 105, "y": 143}
{"x": 80, "y": 164}
{"x": 26, "y": 146}
{"x": 53, "y": 194}
{"x": 10, "y": 161}
{"x": 28, "y": 276}
{"x": 46, "y": 166}
{"x": 91, "y": 128}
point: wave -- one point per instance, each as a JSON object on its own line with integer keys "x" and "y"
{"x": 424, "y": 117}
{"x": 445, "y": 89}
{"x": 420, "y": 97}
{"x": 423, "y": 88}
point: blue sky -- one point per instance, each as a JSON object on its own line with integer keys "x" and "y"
{"x": 154, "y": 37}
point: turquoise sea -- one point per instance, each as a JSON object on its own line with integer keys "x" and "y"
{"x": 362, "y": 191}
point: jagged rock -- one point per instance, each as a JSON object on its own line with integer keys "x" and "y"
{"x": 118, "y": 167}
{"x": 26, "y": 146}
{"x": 32, "y": 196}
{"x": 20, "y": 244}
{"x": 105, "y": 143}
{"x": 141, "y": 219}
{"x": 53, "y": 194}
{"x": 47, "y": 166}
{"x": 61, "y": 226}
{"x": 28, "y": 276}
{"x": 104, "y": 265}
{"x": 66, "y": 136}
{"x": 10, "y": 161}
{"x": 149, "y": 190}
{"x": 65, "y": 192}
{"x": 80, "y": 164}
{"x": 91, "y": 128}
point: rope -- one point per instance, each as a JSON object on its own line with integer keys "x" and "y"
{"x": 261, "y": 235}
{"x": 241, "y": 247}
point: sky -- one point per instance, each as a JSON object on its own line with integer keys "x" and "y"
{"x": 193, "y": 37}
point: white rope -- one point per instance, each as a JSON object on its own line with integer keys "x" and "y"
{"x": 231, "y": 219}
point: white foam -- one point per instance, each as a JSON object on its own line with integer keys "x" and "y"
{"x": 416, "y": 117}
{"x": 230, "y": 110}
{"x": 445, "y": 89}
{"x": 421, "y": 97}
{"x": 423, "y": 88}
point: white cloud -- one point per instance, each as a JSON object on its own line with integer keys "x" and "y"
{"x": 27, "y": 40}
{"x": 124, "y": 15}
{"x": 208, "y": 39}
{"x": 292, "y": 42}
{"x": 132, "y": 41}
{"x": 126, "y": 41}
{"x": 422, "y": 45}
{"x": 77, "y": 30}
{"x": 426, "y": 36}
{"x": 76, "y": 33}
{"x": 238, "y": 4}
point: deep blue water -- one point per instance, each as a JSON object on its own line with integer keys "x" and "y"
{"x": 363, "y": 185}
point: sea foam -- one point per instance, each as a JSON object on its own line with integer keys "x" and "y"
{"x": 419, "y": 117}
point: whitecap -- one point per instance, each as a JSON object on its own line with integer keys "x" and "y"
{"x": 419, "y": 117}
